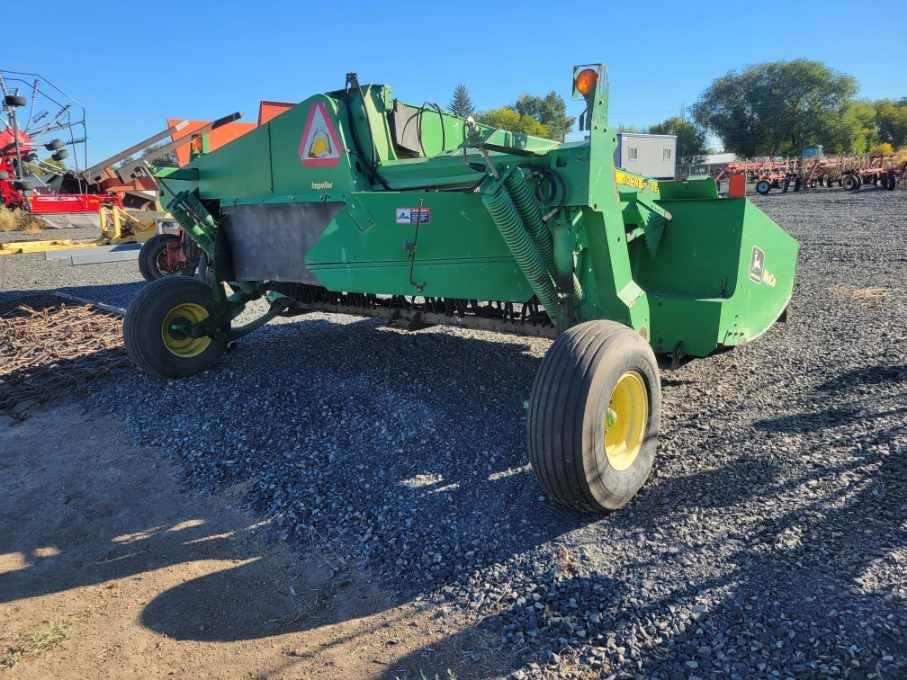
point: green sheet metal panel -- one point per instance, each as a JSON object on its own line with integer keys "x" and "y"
{"x": 692, "y": 258}
{"x": 766, "y": 268}
{"x": 458, "y": 252}
{"x": 692, "y": 325}
{"x": 706, "y": 288}
{"x": 297, "y": 178}
{"x": 239, "y": 169}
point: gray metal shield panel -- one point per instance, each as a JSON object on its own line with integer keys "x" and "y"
{"x": 268, "y": 242}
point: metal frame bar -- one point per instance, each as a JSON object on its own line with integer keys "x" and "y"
{"x": 418, "y": 318}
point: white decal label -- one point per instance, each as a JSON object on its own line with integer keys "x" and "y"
{"x": 413, "y": 215}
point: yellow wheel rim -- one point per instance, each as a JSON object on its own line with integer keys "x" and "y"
{"x": 177, "y": 342}
{"x": 625, "y": 420}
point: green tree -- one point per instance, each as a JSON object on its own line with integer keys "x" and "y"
{"x": 461, "y": 104}
{"x": 892, "y": 120}
{"x": 508, "y": 118}
{"x": 858, "y": 130}
{"x": 690, "y": 137}
{"x": 779, "y": 107}
{"x": 550, "y": 111}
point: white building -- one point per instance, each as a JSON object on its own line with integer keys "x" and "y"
{"x": 648, "y": 155}
{"x": 711, "y": 164}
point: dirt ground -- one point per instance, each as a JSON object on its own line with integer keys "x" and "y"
{"x": 109, "y": 569}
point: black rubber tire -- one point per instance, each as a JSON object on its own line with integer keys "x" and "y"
{"x": 763, "y": 187}
{"x": 54, "y": 145}
{"x": 145, "y": 316}
{"x": 570, "y": 397}
{"x": 850, "y": 183}
{"x": 148, "y": 256}
{"x": 891, "y": 181}
{"x": 151, "y": 251}
{"x": 15, "y": 100}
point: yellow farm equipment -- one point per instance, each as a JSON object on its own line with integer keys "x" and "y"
{"x": 118, "y": 226}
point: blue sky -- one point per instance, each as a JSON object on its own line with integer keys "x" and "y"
{"x": 206, "y": 59}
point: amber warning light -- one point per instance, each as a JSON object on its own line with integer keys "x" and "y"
{"x": 585, "y": 81}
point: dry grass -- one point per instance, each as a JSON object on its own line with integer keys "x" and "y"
{"x": 19, "y": 220}
{"x": 860, "y": 293}
{"x": 31, "y": 225}
{"x": 49, "y": 347}
{"x": 8, "y": 221}
{"x": 34, "y": 643}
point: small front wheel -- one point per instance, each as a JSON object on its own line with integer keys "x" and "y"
{"x": 161, "y": 255}
{"x": 594, "y": 416}
{"x": 161, "y": 328}
{"x": 763, "y": 187}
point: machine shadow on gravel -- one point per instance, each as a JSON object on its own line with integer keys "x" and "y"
{"x": 859, "y": 409}
{"x": 870, "y": 375}
{"x": 115, "y": 294}
{"x": 809, "y": 563}
{"x": 393, "y": 454}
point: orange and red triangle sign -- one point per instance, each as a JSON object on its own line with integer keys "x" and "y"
{"x": 320, "y": 145}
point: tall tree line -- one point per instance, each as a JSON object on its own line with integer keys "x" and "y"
{"x": 776, "y": 108}
{"x": 781, "y": 108}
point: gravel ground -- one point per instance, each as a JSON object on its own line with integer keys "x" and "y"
{"x": 49, "y": 234}
{"x": 771, "y": 539}
{"x": 113, "y": 283}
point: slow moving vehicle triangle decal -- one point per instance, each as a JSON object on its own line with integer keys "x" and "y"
{"x": 320, "y": 146}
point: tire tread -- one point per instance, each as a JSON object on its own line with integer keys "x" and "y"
{"x": 557, "y": 419}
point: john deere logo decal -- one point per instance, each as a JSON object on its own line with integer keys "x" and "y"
{"x": 320, "y": 146}
{"x": 757, "y": 264}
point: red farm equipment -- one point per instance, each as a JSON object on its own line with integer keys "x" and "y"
{"x": 853, "y": 172}
{"x": 101, "y": 192}
{"x": 39, "y": 117}
{"x": 794, "y": 174}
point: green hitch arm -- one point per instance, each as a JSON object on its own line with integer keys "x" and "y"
{"x": 279, "y": 304}
{"x": 188, "y": 210}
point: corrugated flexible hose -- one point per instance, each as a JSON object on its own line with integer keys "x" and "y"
{"x": 531, "y": 213}
{"x": 505, "y": 216}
